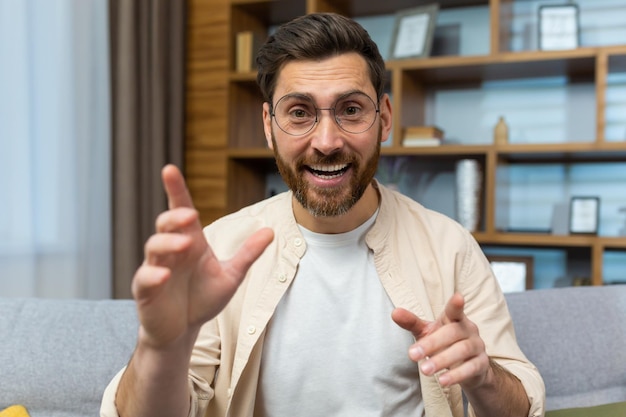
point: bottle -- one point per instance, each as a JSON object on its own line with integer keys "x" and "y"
{"x": 501, "y": 132}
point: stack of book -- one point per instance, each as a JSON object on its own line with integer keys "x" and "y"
{"x": 422, "y": 136}
{"x": 247, "y": 44}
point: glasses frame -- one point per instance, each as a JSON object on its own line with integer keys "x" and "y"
{"x": 330, "y": 109}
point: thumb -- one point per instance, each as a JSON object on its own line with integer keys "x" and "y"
{"x": 454, "y": 309}
{"x": 252, "y": 248}
{"x": 409, "y": 321}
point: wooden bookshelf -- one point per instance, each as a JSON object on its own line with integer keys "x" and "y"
{"x": 248, "y": 161}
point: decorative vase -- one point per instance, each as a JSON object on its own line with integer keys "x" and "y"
{"x": 468, "y": 192}
{"x": 501, "y": 132}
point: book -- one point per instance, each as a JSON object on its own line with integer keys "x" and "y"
{"x": 422, "y": 136}
{"x": 247, "y": 44}
{"x": 422, "y": 142}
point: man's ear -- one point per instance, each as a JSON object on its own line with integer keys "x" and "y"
{"x": 267, "y": 125}
{"x": 386, "y": 118}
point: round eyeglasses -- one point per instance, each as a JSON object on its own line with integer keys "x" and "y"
{"x": 296, "y": 114}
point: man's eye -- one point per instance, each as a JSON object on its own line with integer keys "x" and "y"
{"x": 299, "y": 113}
{"x": 351, "y": 111}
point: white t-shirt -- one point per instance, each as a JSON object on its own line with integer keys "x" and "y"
{"x": 331, "y": 348}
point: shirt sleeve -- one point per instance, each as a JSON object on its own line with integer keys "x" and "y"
{"x": 199, "y": 400}
{"x": 486, "y": 306}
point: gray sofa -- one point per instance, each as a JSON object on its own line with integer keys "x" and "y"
{"x": 576, "y": 336}
{"x": 56, "y": 357}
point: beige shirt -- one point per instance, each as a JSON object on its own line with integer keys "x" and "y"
{"x": 422, "y": 259}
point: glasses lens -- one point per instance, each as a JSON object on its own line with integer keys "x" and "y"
{"x": 297, "y": 114}
{"x": 355, "y": 113}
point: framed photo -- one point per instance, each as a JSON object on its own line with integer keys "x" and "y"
{"x": 558, "y": 27}
{"x": 413, "y": 32}
{"x": 514, "y": 273}
{"x": 584, "y": 215}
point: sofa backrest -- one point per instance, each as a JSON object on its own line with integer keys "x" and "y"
{"x": 57, "y": 356}
{"x": 577, "y": 339}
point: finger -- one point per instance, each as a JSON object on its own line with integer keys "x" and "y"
{"x": 176, "y": 220}
{"x": 147, "y": 280}
{"x": 474, "y": 368}
{"x": 454, "y": 309}
{"x": 437, "y": 341}
{"x": 249, "y": 252}
{"x": 175, "y": 187}
{"x": 451, "y": 356}
{"x": 409, "y": 321}
{"x": 163, "y": 245}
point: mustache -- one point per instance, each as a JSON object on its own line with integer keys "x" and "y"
{"x": 333, "y": 159}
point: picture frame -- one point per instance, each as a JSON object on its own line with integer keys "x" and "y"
{"x": 559, "y": 27}
{"x": 514, "y": 273}
{"x": 584, "y": 215}
{"x": 413, "y": 32}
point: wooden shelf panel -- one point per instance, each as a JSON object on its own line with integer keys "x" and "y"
{"x": 242, "y": 77}
{"x": 582, "y": 152}
{"x": 443, "y": 151}
{"x": 579, "y": 63}
{"x": 613, "y": 242}
{"x": 547, "y": 240}
{"x": 563, "y": 152}
{"x": 507, "y": 65}
{"x": 250, "y": 153}
{"x": 371, "y": 8}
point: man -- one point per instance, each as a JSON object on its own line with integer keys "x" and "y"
{"x": 287, "y": 308}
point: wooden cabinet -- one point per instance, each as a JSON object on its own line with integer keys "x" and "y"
{"x": 412, "y": 85}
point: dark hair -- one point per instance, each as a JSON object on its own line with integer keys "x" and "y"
{"x": 316, "y": 36}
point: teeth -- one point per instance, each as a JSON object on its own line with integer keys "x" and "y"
{"x": 328, "y": 168}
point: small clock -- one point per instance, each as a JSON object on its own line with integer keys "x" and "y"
{"x": 558, "y": 27}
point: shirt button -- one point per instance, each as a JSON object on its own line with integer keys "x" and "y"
{"x": 297, "y": 241}
{"x": 251, "y": 329}
{"x": 282, "y": 277}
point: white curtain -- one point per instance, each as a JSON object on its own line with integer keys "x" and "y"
{"x": 54, "y": 149}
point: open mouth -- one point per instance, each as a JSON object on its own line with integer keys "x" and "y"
{"x": 328, "y": 171}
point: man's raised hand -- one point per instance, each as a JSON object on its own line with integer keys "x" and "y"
{"x": 181, "y": 284}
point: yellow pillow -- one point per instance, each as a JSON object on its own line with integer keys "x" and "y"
{"x": 14, "y": 411}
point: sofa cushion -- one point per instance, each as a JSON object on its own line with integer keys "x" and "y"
{"x": 59, "y": 355}
{"x": 576, "y": 337}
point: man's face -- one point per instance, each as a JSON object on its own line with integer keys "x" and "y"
{"x": 327, "y": 168}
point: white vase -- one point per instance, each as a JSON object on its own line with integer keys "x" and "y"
{"x": 468, "y": 193}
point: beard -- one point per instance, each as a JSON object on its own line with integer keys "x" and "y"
{"x": 332, "y": 201}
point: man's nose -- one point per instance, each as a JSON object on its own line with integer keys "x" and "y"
{"x": 327, "y": 135}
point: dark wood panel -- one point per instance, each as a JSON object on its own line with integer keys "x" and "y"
{"x": 206, "y": 94}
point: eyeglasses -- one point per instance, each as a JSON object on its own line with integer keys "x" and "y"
{"x": 296, "y": 114}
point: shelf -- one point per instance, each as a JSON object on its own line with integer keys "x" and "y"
{"x": 250, "y": 153}
{"x": 369, "y": 8}
{"x": 415, "y": 84}
{"x": 548, "y": 240}
{"x": 443, "y": 150}
{"x": 568, "y": 152}
{"x": 503, "y": 66}
{"x": 563, "y": 152}
{"x": 613, "y": 242}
